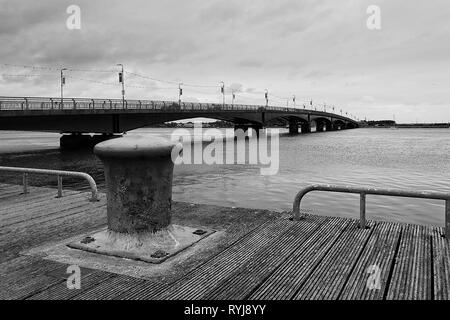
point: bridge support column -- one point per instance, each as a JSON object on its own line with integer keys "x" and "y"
{"x": 305, "y": 127}
{"x": 75, "y": 141}
{"x": 138, "y": 174}
{"x": 83, "y": 141}
{"x": 245, "y": 127}
{"x": 293, "y": 127}
{"x": 320, "y": 126}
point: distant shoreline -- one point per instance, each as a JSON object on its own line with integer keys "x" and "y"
{"x": 412, "y": 126}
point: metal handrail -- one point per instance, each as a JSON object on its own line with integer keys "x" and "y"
{"x": 363, "y": 191}
{"x": 48, "y": 103}
{"x": 59, "y": 174}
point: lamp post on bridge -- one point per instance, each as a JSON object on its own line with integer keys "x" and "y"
{"x": 293, "y": 100}
{"x": 266, "y": 95}
{"x": 63, "y": 82}
{"x": 122, "y": 80}
{"x": 222, "y": 90}
{"x": 233, "y": 96}
{"x": 180, "y": 93}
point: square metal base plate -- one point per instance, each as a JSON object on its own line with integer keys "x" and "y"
{"x": 149, "y": 247}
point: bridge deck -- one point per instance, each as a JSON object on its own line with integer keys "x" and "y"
{"x": 266, "y": 256}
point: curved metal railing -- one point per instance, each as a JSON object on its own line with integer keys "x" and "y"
{"x": 42, "y": 103}
{"x": 363, "y": 191}
{"x": 59, "y": 174}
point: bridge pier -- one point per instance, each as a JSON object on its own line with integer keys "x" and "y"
{"x": 245, "y": 127}
{"x": 305, "y": 127}
{"x": 293, "y": 127}
{"x": 83, "y": 141}
{"x": 320, "y": 127}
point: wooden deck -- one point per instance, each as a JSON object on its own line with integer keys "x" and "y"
{"x": 273, "y": 258}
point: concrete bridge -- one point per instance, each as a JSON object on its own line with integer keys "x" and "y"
{"x": 112, "y": 116}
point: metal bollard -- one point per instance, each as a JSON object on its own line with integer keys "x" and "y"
{"x": 138, "y": 173}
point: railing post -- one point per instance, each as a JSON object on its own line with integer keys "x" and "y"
{"x": 447, "y": 219}
{"x": 59, "y": 186}
{"x": 362, "y": 211}
{"x": 74, "y": 104}
{"x": 25, "y": 183}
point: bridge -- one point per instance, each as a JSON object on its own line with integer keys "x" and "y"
{"x": 107, "y": 117}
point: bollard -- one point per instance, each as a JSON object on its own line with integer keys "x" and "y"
{"x": 138, "y": 172}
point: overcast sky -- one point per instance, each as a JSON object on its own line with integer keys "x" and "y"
{"x": 319, "y": 50}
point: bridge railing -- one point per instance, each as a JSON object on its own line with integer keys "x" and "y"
{"x": 37, "y": 103}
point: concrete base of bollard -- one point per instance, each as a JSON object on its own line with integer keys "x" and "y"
{"x": 153, "y": 247}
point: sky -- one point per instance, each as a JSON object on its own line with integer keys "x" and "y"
{"x": 319, "y": 50}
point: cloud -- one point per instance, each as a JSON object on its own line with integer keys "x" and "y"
{"x": 315, "y": 49}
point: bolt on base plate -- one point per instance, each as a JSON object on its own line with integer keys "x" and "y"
{"x": 149, "y": 247}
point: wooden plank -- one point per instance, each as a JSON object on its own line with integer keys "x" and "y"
{"x": 17, "y": 263}
{"x": 109, "y": 288}
{"x": 231, "y": 237}
{"x": 303, "y": 237}
{"x": 286, "y": 280}
{"x": 193, "y": 286}
{"x": 378, "y": 254}
{"x": 149, "y": 289}
{"x": 25, "y": 199}
{"x": 59, "y": 291}
{"x": 54, "y": 229}
{"x": 26, "y": 281}
{"x": 412, "y": 274}
{"x": 42, "y": 204}
{"x": 329, "y": 277}
{"x": 441, "y": 264}
{"x": 51, "y": 210}
{"x": 205, "y": 276}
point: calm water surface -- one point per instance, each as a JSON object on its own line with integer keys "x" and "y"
{"x": 417, "y": 159}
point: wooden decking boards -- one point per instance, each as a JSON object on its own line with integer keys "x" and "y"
{"x": 315, "y": 258}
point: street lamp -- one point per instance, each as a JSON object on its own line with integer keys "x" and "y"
{"x": 222, "y": 90}
{"x": 122, "y": 80}
{"x": 233, "y": 96}
{"x": 266, "y": 95}
{"x": 63, "y": 82}
{"x": 180, "y": 93}
{"x": 293, "y": 100}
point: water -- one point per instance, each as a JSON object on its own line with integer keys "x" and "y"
{"x": 417, "y": 159}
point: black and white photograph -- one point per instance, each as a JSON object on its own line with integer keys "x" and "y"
{"x": 225, "y": 158}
